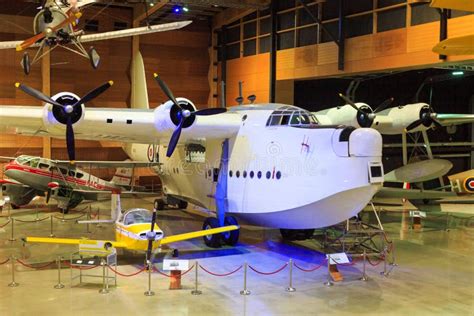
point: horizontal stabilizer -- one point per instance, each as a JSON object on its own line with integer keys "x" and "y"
{"x": 413, "y": 194}
{"x": 463, "y": 45}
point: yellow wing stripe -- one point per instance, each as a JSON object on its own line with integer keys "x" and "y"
{"x": 72, "y": 241}
{"x": 197, "y": 234}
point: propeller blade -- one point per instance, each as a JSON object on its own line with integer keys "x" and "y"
{"x": 36, "y": 94}
{"x": 150, "y": 241}
{"x": 384, "y": 105}
{"x": 94, "y": 93}
{"x": 209, "y": 111}
{"x": 352, "y": 104}
{"x": 174, "y": 139}
{"x": 71, "y": 147}
{"x": 166, "y": 90}
{"x": 414, "y": 125}
{"x": 437, "y": 124}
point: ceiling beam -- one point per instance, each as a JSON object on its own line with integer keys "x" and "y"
{"x": 141, "y": 14}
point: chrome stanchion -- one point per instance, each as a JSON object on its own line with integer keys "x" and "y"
{"x": 105, "y": 285}
{"x": 13, "y": 283}
{"x": 88, "y": 219}
{"x": 364, "y": 275}
{"x": 63, "y": 219}
{"x": 59, "y": 285}
{"x": 196, "y": 291}
{"x": 51, "y": 234}
{"x": 245, "y": 291}
{"x": 149, "y": 292}
{"x": 290, "y": 287}
{"x": 12, "y": 236}
{"x": 37, "y": 216}
{"x": 328, "y": 280}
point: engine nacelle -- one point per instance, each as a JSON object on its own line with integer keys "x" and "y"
{"x": 346, "y": 115}
{"x": 54, "y": 116}
{"x": 167, "y": 115}
{"x": 394, "y": 120}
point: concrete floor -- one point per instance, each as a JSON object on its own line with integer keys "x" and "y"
{"x": 434, "y": 276}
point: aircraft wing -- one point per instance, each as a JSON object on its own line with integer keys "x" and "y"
{"x": 134, "y": 31}
{"x": 462, "y": 5}
{"x": 107, "y": 164}
{"x": 75, "y": 241}
{"x": 413, "y": 194}
{"x": 462, "y": 45}
{"x": 197, "y": 234}
{"x": 124, "y": 125}
{"x": 455, "y": 119}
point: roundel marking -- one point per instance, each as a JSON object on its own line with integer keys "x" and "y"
{"x": 150, "y": 153}
{"x": 469, "y": 184}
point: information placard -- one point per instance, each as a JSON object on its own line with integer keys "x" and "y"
{"x": 338, "y": 258}
{"x": 175, "y": 264}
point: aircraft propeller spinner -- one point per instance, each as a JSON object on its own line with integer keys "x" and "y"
{"x": 182, "y": 115}
{"x": 365, "y": 115}
{"x": 67, "y": 114}
{"x": 427, "y": 118}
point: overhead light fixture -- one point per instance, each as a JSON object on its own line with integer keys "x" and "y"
{"x": 457, "y": 73}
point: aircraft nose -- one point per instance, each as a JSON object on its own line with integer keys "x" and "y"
{"x": 365, "y": 142}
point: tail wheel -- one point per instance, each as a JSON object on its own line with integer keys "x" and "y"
{"x": 231, "y": 238}
{"x": 213, "y": 241}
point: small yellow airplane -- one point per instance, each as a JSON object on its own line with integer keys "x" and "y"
{"x": 134, "y": 230}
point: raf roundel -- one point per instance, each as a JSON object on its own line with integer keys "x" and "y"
{"x": 469, "y": 184}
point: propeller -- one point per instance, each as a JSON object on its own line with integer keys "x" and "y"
{"x": 67, "y": 114}
{"x": 181, "y": 114}
{"x": 365, "y": 115}
{"x": 151, "y": 237}
{"x": 427, "y": 118}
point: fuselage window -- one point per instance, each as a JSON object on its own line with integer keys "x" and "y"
{"x": 252, "y": 174}
{"x": 259, "y": 174}
{"x": 230, "y": 173}
{"x": 34, "y": 162}
{"x": 71, "y": 173}
{"x": 43, "y": 166}
{"x": 278, "y": 175}
{"x": 79, "y": 175}
{"x": 245, "y": 174}
{"x": 269, "y": 174}
{"x": 237, "y": 174}
{"x": 63, "y": 171}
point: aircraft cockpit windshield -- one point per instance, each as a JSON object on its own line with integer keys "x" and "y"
{"x": 27, "y": 161}
{"x": 292, "y": 116}
{"x": 137, "y": 216}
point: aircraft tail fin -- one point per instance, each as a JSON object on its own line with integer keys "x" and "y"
{"x": 139, "y": 94}
{"x": 123, "y": 177}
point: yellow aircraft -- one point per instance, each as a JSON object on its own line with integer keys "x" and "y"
{"x": 134, "y": 230}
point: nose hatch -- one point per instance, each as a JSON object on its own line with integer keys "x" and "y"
{"x": 365, "y": 142}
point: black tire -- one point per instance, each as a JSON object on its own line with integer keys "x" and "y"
{"x": 231, "y": 238}
{"x": 182, "y": 204}
{"x": 213, "y": 241}
{"x": 159, "y": 204}
{"x": 296, "y": 234}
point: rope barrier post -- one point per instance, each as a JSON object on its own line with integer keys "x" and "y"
{"x": 37, "y": 216}
{"x": 88, "y": 219}
{"x": 196, "y": 291}
{"x": 59, "y": 285}
{"x": 63, "y": 219}
{"x": 384, "y": 272}
{"x": 290, "y": 287}
{"x": 364, "y": 275}
{"x": 12, "y": 237}
{"x": 149, "y": 292}
{"x": 328, "y": 280}
{"x": 13, "y": 283}
{"x": 245, "y": 291}
{"x": 105, "y": 285}
{"x": 51, "y": 234}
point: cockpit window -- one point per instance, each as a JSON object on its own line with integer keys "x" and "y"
{"x": 138, "y": 216}
{"x": 28, "y": 161}
{"x": 292, "y": 116}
